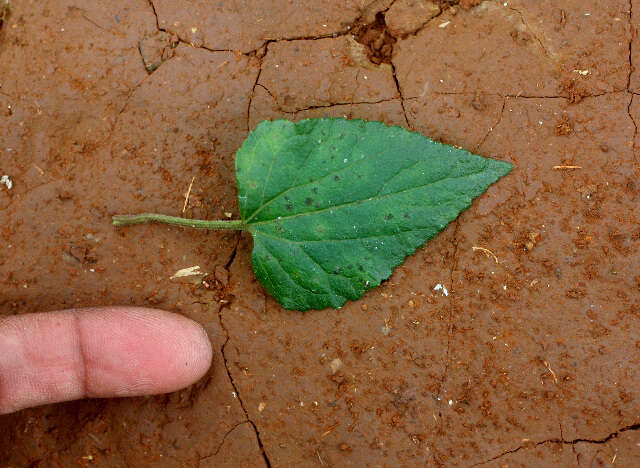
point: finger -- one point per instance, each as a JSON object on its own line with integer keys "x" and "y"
{"x": 102, "y": 352}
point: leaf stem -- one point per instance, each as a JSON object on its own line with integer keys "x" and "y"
{"x": 127, "y": 220}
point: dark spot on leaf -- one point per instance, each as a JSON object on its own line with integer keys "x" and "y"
{"x": 360, "y": 267}
{"x": 317, "y": 204}
{"x": 336, "y": 178}
{"x": 314, "y": 189}
{"x": 289, "y": 206}
{"x": 406, "y": 216}
{"x": 286, "y": 198}
{"x": 337, "y": 270}
{"x": 388, "y": 217}
{"x": 308, "y": 201}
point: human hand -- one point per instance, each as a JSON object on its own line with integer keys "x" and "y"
{"x": 100, "y": 352}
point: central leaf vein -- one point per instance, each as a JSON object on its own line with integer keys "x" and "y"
{"x": 367, "y": 200}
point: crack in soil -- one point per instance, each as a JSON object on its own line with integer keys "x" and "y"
{"x": 322, "y": 106}
{"x": 184, "y": 41}
{"x": 232, "y": 257}
{"x": 493, "y": 127}
{"x": 224, "y": 438}
{"x": 454, "y": 266}
{"x": 350, "y": 103}
{"x": 545, "y": 51}
{"x": 5, "y": 11}
{"x": 515, "y": 96}
{"x": 153, "y": 9}
{"x": 635, "y": 124}
{"x": 445, "y": 6}
{"x": 93, "y": 22}
{"x": 263, "y": 45}
{"x": 395, "y": 79}
{"x": 253, "y": 89}
{"x": 632, "y": 35}
{"x": 236, "y": 393}
{"x": 350, "y": 29}
{"x": 235, "y": 388}
{"x": 573, "y": 442}
{"x": 124, "y": 106}
{"x": 573, "y": 446}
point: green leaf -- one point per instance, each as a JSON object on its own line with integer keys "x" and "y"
{"x": 335, "y": 205}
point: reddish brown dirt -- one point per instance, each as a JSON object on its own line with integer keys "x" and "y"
{"x": 531, "y": 360}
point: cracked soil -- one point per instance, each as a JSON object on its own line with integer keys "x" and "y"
{"x": 532, "y": 359}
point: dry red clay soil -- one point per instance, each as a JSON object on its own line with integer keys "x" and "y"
{"x": 532, "y": 359}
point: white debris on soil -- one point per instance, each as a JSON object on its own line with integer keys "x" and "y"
{"x": 386, "y": 329}
{"x": 336, "y": 364}
{"x": 441, "y": 287}
{"x": 6, "y": 180}
{"x": 191, "y": 271}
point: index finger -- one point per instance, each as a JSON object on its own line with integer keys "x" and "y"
{"x": 101, "y": 352}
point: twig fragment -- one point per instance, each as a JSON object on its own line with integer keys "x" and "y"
{"x": 488, "y": 252}
{"x": 553, "y": 374}
{"x": 330, "y": 429}
{"x": 187, "y": 195}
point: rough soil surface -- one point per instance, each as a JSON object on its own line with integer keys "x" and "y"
{"x": 533, "y": 357}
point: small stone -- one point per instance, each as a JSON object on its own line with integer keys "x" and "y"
{"x": 336, "y": 365}
{"x": 6, "y": 180}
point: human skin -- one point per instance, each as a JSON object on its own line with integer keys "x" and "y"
{"x": 97, "y": 353}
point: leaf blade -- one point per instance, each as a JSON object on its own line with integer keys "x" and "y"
{"x": 362, "y": 197}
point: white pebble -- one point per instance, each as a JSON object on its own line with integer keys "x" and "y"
{"x": 6, "y": 180}
{"x": 441, "y": 287}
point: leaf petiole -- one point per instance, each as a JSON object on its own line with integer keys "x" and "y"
{"x": 127, "y": 220}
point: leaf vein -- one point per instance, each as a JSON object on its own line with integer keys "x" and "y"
{"x": 266, "y": 180}
{"x": 333, "y": 173}
{"x": 357, "y": 239}
{"x": 297, "y": 283}
{"x": 361, "y": 202}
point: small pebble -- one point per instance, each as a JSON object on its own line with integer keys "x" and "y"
{"x": 6, "y": 180}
